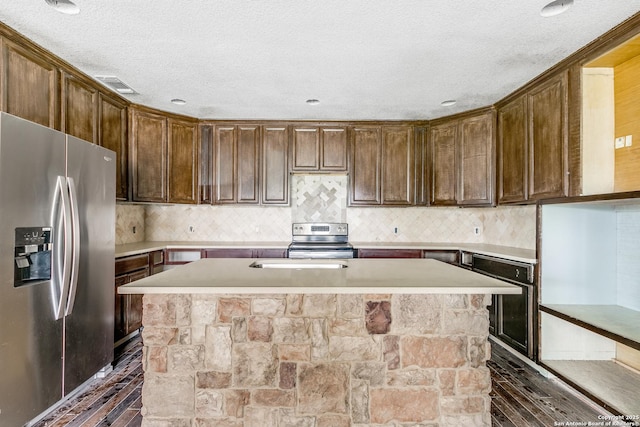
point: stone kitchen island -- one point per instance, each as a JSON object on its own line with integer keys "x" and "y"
{"x": 316, "y": 343}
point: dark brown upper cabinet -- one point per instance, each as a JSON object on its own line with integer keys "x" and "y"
{"x": 205, "y": 183}
{"x": 382, "y": 166}
{"x": 29, "y": 85}
{"x": 463, "y": 160}
{"x": 79, "y": 108}
{"x": 148, "y": 147}
{"x": 512, "y": 151}
{"x": 112, "y": 134}
{"x": 443, "y": 164}
{"x": 236, "y": 163}
{"x": 275, "y": 165}
{"x": 319, "y": 148}
{"x": 398, "y": 165}
{"x": 163, "y": 158}
{"x": 548, "y": 139}
{"x": 364, "y": 165}
{"x": 182, "y": 162}
{"x": 477, "y": 159}
{"x": 533, "y": 143}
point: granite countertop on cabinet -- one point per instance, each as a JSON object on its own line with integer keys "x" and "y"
{"x": 351, "y": 276}
{"x": 512, "y": 253}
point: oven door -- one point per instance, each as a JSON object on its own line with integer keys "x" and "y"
{"x": 514, "y": 315}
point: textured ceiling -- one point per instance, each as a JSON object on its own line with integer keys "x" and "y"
{"x": 363, "y": 59}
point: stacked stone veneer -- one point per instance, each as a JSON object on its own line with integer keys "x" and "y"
{"x": 316, "y": 360}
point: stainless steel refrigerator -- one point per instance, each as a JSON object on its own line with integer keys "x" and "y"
{"x": 57, "y": 237}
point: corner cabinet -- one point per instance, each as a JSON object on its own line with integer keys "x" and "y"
{"x": 462, "y": 153}
{"x": 533, "y": 139}
{"x": 163, "y": 158}
{"x": 382, "y": 166}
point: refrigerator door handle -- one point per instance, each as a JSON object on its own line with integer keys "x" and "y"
{"x": 62, "y": 250}
{"x": 75, "y": 250}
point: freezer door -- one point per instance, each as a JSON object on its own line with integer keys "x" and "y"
{"x": 32, "y": 158}
{"x": 89, "y": 317}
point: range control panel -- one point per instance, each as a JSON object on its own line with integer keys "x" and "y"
{"x": 320, "y": 229}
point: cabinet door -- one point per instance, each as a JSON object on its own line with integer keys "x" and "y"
{"x": 120, "y": 312}
{"x": 421, "y": 166}
{"x": 112, "y": 134}
{"x": 364, "y": 165}
{"x": 228, "y": 253}
{"x": 29, "y": 85}
{"x": 79, "y": 109}
{"x": 205, "y": 183}
{"x": 182, "y": 177}
{"x": 548, "y": 137}
{"x": 333, "y": 149}
{"x": 389, "y": 253}
{"x": 148, "y": 157}
{"x": 306, "y": 149}
{"x": 248, "y": 168}
{"x": 443, "y": 163}
{"x": 225, "y": 164}
{"x": 397, "y": 165}
{"x": 275, "y": 165}
{"x": 512, "y": 152}
{"x": 269, "y": 253}
{"x": 134, "y": 304}
{"x": 477, "y": 167}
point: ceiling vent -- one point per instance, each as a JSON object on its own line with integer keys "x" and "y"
{"x": 116, "y": 84}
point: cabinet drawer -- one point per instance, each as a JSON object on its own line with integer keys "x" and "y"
{"x": 132, "y": 263}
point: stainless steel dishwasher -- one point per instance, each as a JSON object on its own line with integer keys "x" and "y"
{"x": 512, "y": 317}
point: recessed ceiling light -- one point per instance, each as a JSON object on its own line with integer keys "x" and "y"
{"x": 313, "y": 101}
{"x": 64, "y": 6}
{"x": 448, "y": 103}
{"x": 556, "y": 7}
{"x": 178, "y": 101}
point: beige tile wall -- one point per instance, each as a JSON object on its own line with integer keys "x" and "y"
{"x": 509, "y": 226}
{"x": 324, "y": 198}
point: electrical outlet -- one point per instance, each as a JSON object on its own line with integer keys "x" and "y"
{"x": 191, "y": 229}
{"x": 477, "y": 231}
{"x": 628, "y": 140}
{"x": 620, "y": 142}
{"x": 395, "y": 230}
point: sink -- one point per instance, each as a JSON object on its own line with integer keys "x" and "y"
{"x": 298, "y": 265}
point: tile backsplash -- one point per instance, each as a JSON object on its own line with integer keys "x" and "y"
{"x": 324, "y": 198}
{"x": 508, "y": 226}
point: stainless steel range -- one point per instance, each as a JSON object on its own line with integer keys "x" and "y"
{"x": 320, "y": 240}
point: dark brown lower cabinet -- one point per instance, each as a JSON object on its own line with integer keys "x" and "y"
{"x": 389, "y": 253}
{"x": 245, "y": 253}
{"x": 128, "y": 308}
{"x": 449, "y": 256}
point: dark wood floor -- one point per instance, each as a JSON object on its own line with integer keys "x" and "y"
{"x": 113, "y": 401}
{"x": 521, "y": 397}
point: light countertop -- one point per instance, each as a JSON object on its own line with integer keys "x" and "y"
{"x": 512, "y": 253}
{"x": 387, "y": 276}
